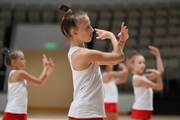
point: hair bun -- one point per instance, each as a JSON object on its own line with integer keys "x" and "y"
{"x": 5, "y": 51}
{"x": 64, "y": 8}
{"x": 135, "y": 52}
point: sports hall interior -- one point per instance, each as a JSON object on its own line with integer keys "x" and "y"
{"x": 33, "y": 26}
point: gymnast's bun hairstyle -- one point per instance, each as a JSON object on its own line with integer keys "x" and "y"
{"x": 5, "y": 51}
{"x": 70, "y": 19}
{"x": 135, "y": 54}
{"x": 9, "y": 55}
{"x": 64, "y": 8}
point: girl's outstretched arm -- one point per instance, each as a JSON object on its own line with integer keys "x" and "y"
{"x": 85, "y": 57}
{"x": 160, "y": 67}
{"x": 46, "y": 72}
{"x": 103, "y": 34}
{"x": 122, "y": 75}
{"x": 50, "y": 68}
{"x": 119, "y": 76}
{"x": 155, "y": 51}
{"x": 141, "y": 81}
{"x": 117, "y": 50}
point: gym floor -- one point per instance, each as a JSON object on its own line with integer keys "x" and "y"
{"x": 56, "y": 115}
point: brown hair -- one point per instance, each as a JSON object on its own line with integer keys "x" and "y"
{"x": 9, "y": 56}
{"x": 70, "y": 19}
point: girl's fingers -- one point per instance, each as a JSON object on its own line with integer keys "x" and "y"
{"x": 98, "y": 37}
{"x": 44, "y": 57}
{"x": 151, "y": 52}
{"x": 150, "y": 70}
{"x": 103, "y": 38}
{"x": 51, "y": 62}
{"x": 127, "y": 31}
{"x": 124, "y": 28}
{"x": 122, "y": 25}
{"x": 154, "y": 71}
{"x": 153, "y": 48}
{"x": 50, "y": 59}
{"x": 45, "y": 62}
{"x": 119, "y": 33}
{"x": 98, "y": 30}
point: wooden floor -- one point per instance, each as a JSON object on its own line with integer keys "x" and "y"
{"x": 56, "y": 115}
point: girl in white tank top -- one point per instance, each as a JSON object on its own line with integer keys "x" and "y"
{"x": 110, "y": 80}
{"x": 88, "y": 94}
{"x": 142, "y": 84}
{"x": 16, "y": 107}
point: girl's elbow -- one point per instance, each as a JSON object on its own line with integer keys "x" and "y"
{"x": 126, "y": 72}
{"x": 42, "y": 82}
{"x": 122, "y": 57}
{"x": 162, "y": 71}
{"x": 159, "y": 88}
{"x": 124, "y": 81}
{"x": 39, "y": 83}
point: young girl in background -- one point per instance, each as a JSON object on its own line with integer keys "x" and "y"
{"x": 110, "y": 79}
{"x": 88, "y": 97}
{"x": 143, "y": 86}
{"x": 16, "y": 108}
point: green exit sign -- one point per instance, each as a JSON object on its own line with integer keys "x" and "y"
{"x": 50, "y": 45}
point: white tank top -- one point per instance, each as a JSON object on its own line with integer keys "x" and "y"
{"x": 17, "y": 97}
{"x": 143, "y": 97}
{"x": 88, "y": 93}
{"x": 111, "y": 91}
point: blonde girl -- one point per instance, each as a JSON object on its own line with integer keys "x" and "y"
{"x": 111, "y": 79}
{"x": 16, "y": 108}
{"x": 143, "y": 84}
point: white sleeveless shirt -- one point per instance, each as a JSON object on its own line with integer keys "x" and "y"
{"x": 111, "y": 91}
{"x": 88, "y": 91}
{"x": 17, "y": 97}
{"x": 143, "y": 97}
